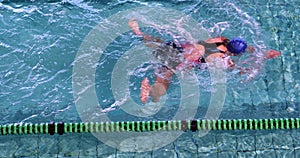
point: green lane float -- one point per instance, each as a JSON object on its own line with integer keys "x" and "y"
{"x": 150, "y": 126}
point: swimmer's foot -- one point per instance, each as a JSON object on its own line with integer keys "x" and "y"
{"x": 145, "y": 90}
{"x": 133, "y": 24}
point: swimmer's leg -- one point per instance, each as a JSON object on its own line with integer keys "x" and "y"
{"x": 159, "y": 88}
{"x": 145, "y": 90}
{"x": 161, "y": 84}
{"x": 133, "y": 24}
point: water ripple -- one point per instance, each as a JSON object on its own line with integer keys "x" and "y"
{"x": 39, "y": 41}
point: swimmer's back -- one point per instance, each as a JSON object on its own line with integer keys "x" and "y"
{"x": 169, "y": 54}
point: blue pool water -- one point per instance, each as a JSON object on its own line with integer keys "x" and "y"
{"x": 39, "y": 42}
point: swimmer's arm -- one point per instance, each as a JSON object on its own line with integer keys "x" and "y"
{"x": 230, "y": 65}
{"x": 270, "y": 54}
{"x": 150, "y": 41}
{"x": 243, "y": 70}
{"x": 216, "y": 39}
{"x": 250, "y": 49}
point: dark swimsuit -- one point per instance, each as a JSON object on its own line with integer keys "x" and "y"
{"x": 211, "y": 48}
{"x": 170, "y": 53}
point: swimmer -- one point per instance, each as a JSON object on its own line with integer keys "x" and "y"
{"x": 234, "y": 47}
{"x": 185, "y": 56}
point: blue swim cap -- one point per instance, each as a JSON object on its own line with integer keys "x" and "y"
{"x": 236, "y": 46}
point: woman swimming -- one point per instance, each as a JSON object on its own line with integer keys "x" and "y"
{"x": 185, "y": 56}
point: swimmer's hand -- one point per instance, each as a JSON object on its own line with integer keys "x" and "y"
{"x": 271, "y": 54}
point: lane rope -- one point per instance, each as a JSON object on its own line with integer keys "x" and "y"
{"x": 150, "y": 126}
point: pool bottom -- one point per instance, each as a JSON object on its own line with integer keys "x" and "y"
{"x": 268, "y": 143}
